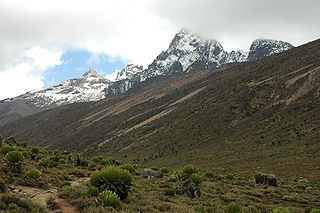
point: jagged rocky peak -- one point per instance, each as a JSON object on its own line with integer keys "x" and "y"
{"x": 129, "y": 71}
{"x": 91, "y": 73}
{"x": 266, "y": 47}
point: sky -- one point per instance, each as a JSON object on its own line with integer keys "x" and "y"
{"x": 43, "y": 42}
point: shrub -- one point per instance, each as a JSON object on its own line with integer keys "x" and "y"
{"x": 170, "y": 192}
{"x": 281, "y": 210}
{"x": 6, "y": 148}
{"x": 113, "y": 178}
{"x": 33, "y": 174}
{"x": 196, "y": 178}
{"x": 128, "y": 167}
{"x": 109, "y": 162}
{"x": 13, "y": 203}
{"x": 190, "y": 169}
{"x": 108, "y": 198}
{"x": 232, "y": 208}
{"x": 93, "y": 191}
{"x": 154, "y": 168}
{"x": 209, "y": 174}
{"x": 173, "y": 178}
{"x": 315, "y": 211}
{"x": 201, "y": 208}
{"x": 165, "y": 170}
{"x": 230, "y": 177}
{"x": 14, "y": 160}
{"x": 257, "y": 175}
{"x": 70, "y": 192}
{"x": 44, "y": 162}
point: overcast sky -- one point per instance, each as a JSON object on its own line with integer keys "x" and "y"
{"x": 35, "y": 35}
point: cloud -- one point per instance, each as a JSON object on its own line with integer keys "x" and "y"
{"x": 112, "y": 76}
{"x": 137, "y": 31}
{"x": 236, "y": 23}
{"x": 26, "y": 73}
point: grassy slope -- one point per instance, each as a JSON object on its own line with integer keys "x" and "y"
{"x": 239, "y": 121}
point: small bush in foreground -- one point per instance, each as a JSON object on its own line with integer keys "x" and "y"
{"x": 14, "y": 160}
{"x": 128, "y": 167}
{"x": 93, "y": 191}
{"x": 108, "y": 198}
{"x": 281, "y": 210}
{"x": 33, "y": 174}
{"x": 195, "y": 178}
{"x": 232, "y": 208}
{"x": 165, "y": 170}
{"x": 189, "y": 169}
{"x": 170, "y": 192}
{"x": 230, "y": 177}
{"x": 113, "y": 178}
{"x": 11, "y": 203}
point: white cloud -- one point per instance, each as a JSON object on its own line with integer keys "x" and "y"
{"x": 27, "y": 72}
{"x": 112, "y": 76}
{"x": 137, "y": 31}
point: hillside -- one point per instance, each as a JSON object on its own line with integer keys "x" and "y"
{"x": 254, "y": 116}
{"x": 42, "y": 180}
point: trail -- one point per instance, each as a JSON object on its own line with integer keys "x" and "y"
{"x": 40, "y": 196}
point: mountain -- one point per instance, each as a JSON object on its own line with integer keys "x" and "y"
{"x": 262, "y": 115}
{"x": 187, "y": 52}
{"x": 266, "y": 47}
{"x": 90, "y": 87}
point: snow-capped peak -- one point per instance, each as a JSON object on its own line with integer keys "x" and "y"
{"x": 266, "y": 47}
{"x": 90, "y": 87}
{"x": 129, "y": 71}
{"x": 91, "y": 73}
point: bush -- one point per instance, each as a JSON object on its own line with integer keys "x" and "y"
{"x": 128, "y": 167}
{"x": 6, "y": 148}
{"x": 108, "y": 198}
{"x": 190, "y": 169}
{"x": 170, "y": 192}
{"x": 201, "y": 208}
{"x": 195, "y": 178}
{"x": 12, "y": 203}
{"x": 33, "y": 174}
{"x": 14, "y": 160}
{"x": 257, "y": 175}
{"x": 173, "y": 178}
{"x": 113, "y": 178}
{"x": 165, "y": 170}
{"x": 154, "y": 168}
{"x": 72, "y": 192}
{"x": 230, "y": 177}
{"x": 281, "y": 210}
{"x": 93, "y": 191}
{"x": 209, "y": 174}
{"x": 232, "y": 208}
{"x": 315, "y": 211}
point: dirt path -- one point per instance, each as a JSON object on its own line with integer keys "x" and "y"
{"x": 40, "y": 196}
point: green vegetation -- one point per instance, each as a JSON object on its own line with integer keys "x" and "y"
{"x": 281, "y": 210}
{"x": 13, "y": 204}
{"x": 93, "y": 191}
{"x": 33, "y": 174}
{"x": 232, "y": 208}
{"x": 108, "y": 198}
{"x": 170, "y": 192}
{"x": 196, "y": 178}
{"x": 14, "y": 160}
{"x": 113, "y": 178}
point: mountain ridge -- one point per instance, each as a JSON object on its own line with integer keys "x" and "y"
{"x": 186, "y": 53}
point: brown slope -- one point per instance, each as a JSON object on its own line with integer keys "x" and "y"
{"x": 262, "y": 115}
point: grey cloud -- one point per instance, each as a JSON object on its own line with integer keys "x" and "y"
{"x": 239, "y": 22}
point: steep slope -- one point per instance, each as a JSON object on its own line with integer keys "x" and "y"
{"x": 90, "y": 87}
{"x": 256, "y": 116}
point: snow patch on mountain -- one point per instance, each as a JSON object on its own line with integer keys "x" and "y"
{"x": 90, "y": 87}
